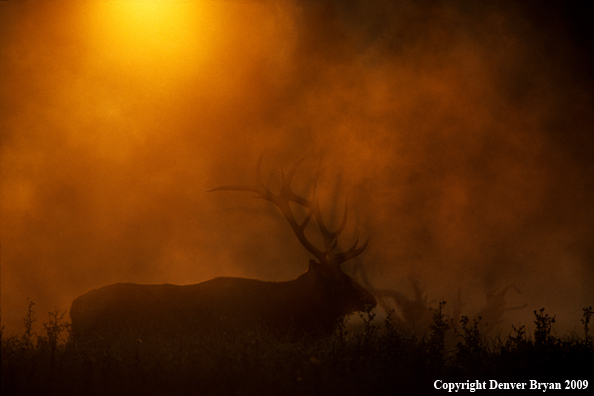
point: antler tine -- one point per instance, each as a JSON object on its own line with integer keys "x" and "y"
{"x": 291, "y": 172}
{"x": 234, "y": 188}
{"x": 259, "y": 188}
{"x": 353, "y": 252}
{"x": 286, "y": 190}
{"x": 317, "y": 176}
{"x": 342, "y": 226}
{"x": 330, "y": 237}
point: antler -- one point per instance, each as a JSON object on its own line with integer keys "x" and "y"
{"x": 282, "y": 201}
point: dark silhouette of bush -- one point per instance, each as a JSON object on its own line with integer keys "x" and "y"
{"x": 378, "y": 359}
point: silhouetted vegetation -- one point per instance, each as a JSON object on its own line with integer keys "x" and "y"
{"x": 369, "y": 359}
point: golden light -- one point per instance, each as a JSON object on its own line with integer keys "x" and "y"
{"x": 152, "y": 37}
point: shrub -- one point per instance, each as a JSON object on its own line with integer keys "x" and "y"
{"x": 368, "y": 359}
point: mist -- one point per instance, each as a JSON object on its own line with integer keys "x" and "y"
{"x": 461, "y": 136}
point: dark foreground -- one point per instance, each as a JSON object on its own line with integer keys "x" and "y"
{"x": 372, "y": 360}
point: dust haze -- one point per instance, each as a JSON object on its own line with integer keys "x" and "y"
{"x": 460, "y": 134}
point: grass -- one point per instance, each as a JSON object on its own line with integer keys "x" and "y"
{"x": 372, "y": 359}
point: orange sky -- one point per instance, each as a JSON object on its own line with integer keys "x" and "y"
{"x": 462, "y": 138}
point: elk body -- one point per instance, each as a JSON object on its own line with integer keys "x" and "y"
{"x": 313, "y": 302}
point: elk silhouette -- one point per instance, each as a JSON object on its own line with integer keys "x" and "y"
{"x": 313, "y": 302}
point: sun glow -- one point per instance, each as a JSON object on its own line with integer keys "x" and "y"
{"x": 152, "y": 37}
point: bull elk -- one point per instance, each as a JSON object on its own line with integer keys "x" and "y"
{"x": 312, "y": 302}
